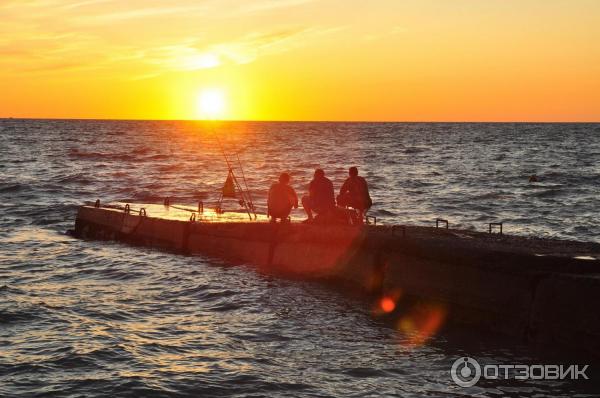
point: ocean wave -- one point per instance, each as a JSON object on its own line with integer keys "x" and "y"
{"x": 73, "y": 361}
{"x": 493, "y": 195}
{"x": 119, "y": 274}
{"x": 81, "y": 178}
{"x": 171, "y": 167}
{"x": 21, "y": 313}
{"x": 84, "y": 155}
{"x": 12, "y": 187}
{"x": 13, "y": 369}
{"x": 383, "y": 213}
{"x": 6, "y": 289}
{"x": 141, "y": 151}
{"x": 158, "y": 157}
{"x": 415, "y": 149}
{"x": 546, "y": 192}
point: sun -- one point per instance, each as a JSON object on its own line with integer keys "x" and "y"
{"x": 211, "y": 104}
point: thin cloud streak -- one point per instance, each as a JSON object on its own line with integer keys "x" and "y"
{"x": 192, "y": 55}
{"x": 87, "y": 3}
{"x": 140, "y": 13}
{"x": 273, "y": 5}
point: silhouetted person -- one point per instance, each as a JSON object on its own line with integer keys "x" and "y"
{"x": 320, "y": 198}
{"x": 282, "y": 198}
{"x": 355, "y": 193}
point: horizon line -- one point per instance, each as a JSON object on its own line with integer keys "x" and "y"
{"x": 300, "y": 121}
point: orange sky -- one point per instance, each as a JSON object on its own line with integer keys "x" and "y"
{"x": 399, "y": 60}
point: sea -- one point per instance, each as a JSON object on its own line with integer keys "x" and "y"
{"x": 96, "y": 319}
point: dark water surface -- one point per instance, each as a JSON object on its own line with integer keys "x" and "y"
{"x": 102, "y": 319}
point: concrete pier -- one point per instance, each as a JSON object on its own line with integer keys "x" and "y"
{"x": 541, "y": 291}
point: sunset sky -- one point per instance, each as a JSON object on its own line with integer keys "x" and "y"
{"x": 397, "y": 60}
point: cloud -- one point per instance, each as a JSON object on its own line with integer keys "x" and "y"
{"x": 394, "y": 31}
{"x": 272, "y": 5}
{"x": 58, "y": 66}
{"x": 85, "y": 3}
{"x": 20, "y": 4}
{"x": 39, "y": 51}
{"x": 138, "y": 13}
{"x": 181, "y": 57}
{"x": 7, "y": 51}
{"x": 191, "y": 55}
{"x": 47, "y": 35}
{"x": 251, "y": 46}
{"x": 144, "y": 76}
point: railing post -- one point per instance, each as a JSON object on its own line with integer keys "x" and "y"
{"x": 440, "y": 220}
{"x": 495, "y": 224}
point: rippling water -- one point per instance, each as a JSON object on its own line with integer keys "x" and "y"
{"x": 99, "y": 318}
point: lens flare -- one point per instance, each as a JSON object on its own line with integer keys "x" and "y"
{"x": 421, "y": 323}
{"x": 387, "y": 304}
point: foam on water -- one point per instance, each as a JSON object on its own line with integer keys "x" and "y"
{"x": 84, "y": 318}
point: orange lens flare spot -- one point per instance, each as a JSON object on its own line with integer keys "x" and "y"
{"x": 422, "y": 323}
{"x": 387, "y": 304}
{"x": 406, "y": 325}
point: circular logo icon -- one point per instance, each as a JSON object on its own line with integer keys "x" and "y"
{"x": 465, "y": 372}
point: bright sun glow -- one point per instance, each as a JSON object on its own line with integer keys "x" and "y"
{"x": 211, "y": 104}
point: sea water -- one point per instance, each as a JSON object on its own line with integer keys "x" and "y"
{"x": 81, "y": 318}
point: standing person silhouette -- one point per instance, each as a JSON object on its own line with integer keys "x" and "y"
{"x": 320, "y": 198}
{"x": 282, "y": 198}
{"x": 355, "y": 193}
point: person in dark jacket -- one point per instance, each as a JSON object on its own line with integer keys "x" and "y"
{"x": 355, "y": 193}
{"x": 282, "y": 198}
{"x": 320, "y": 198}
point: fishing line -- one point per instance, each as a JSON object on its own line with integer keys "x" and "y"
{"x": 246, "y": 198}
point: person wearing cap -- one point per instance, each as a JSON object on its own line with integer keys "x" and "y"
{"x": 320, "y": 198}
{"x": 355, "y": 193}
{"x": 282, "y": 198}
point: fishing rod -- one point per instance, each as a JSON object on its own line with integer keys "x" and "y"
{"x": 237, "y": 154}
{"x": 246, "y": 197}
